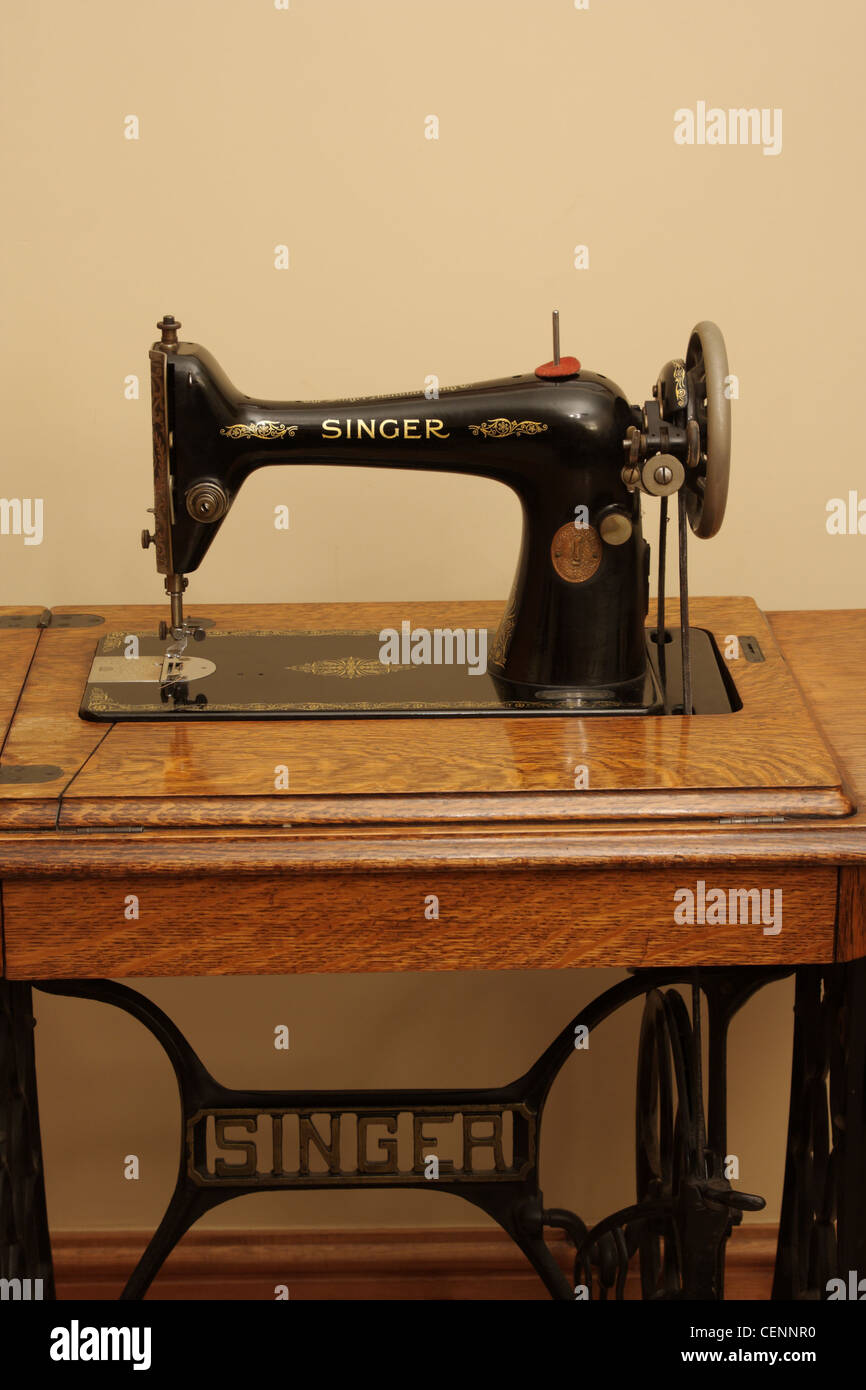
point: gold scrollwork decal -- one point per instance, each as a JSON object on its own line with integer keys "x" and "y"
{"x": 500, "y": 428}
{"x": 348, "y": 668}
{"x": 502, "y": 639}
{"x": 680, "y": 390}
{"x": 100, "y": 701}
{"x": 261, "y": 429}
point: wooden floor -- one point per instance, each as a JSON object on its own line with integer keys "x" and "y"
{"x": 359, "y": 1264}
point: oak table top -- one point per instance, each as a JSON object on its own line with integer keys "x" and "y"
{"x": 380, "y": 813}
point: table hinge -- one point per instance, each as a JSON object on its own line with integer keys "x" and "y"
{"x": 102, "y": 829}
{"x": 752, "y": 820}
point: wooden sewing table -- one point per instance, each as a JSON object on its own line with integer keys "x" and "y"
{"x": 332, "y": 874}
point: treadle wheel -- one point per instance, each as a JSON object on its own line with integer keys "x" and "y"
{"x": 667, "y": 1136}
{"x": 707, "y": 374}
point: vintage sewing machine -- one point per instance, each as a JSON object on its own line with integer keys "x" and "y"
{"x": 573, "y": 636}
{"x": 714, "y": 854}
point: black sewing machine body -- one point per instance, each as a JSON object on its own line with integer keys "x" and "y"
{"x": 576, "y": 616}
{"x": 573, "y": 636}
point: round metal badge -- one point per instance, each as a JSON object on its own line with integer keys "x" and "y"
{"x": 576, "y": 552}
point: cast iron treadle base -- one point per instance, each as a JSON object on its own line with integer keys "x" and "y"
{"x": 822, "y": 1232}
{"x": 25, "y": 1247}
{"x": 236, "y": 1141}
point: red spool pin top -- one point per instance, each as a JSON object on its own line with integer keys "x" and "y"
{"x": 566, "y": 366}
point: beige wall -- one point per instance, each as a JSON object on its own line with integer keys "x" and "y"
{"x": 412, "y": 256}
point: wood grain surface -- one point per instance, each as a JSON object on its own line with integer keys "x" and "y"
{"x": 363, "y": 857}
{"x": 244, "y": 852}
{"x": 826, "y": 654}
{"x": 851, "y": 939}
{"x": 554, "y": 919}
{"x": 365, "y": 1263}
{"x": 17, "y": 646}
{"x": 766, "y": 759}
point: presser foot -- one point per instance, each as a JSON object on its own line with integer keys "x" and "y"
{"x": 172, "y": 669}
{"x": 181, "y": 630}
